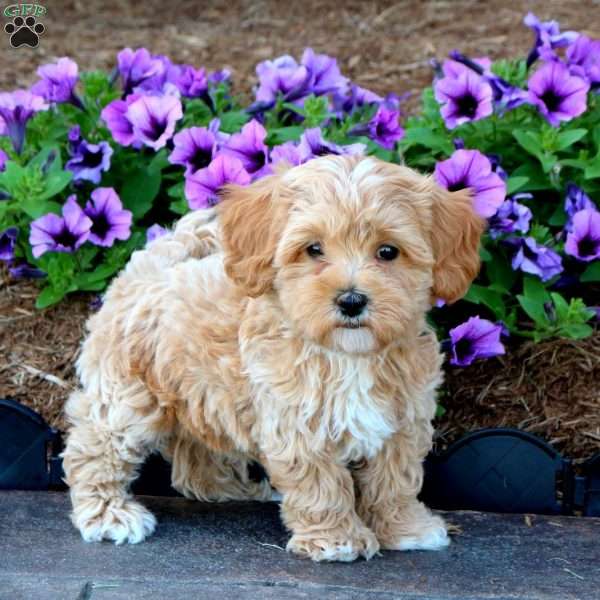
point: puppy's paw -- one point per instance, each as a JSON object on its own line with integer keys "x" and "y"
{"x": 431, "y": 535}
{"x": 119, "y": 521}
{"x": 334, "y": 545}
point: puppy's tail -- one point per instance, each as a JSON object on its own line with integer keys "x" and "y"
{"x": 194, "y": 236}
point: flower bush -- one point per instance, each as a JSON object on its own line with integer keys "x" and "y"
{"x": 92, "y": 166}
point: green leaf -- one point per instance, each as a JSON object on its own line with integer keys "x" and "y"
{"x": 500, "y": 273}
{"x": 12, "y": 176}
{"x": 529, "y": 141}
{"x": 576, "y": 331}
{"x": 593, "y": 171}
{"x": 514, "y": 184}
{"x": 140, "y": 190}
{"x": 159, "y": 162}
{"x": 430, "y": 139}
{"x": 592, "y": 273}
{"x": 34, "y": 208}
{"x": 179, "y": 204}
{"x": 535, "y": 290}
{"x": 54, "y": 183}
{"x": 561, "y": 306}
{"x": 532, "y": 143}
{"x": 534, "y": 310}
{"x": 232, "y": 122}
{"x": 576, "y": 163}
{"x": 568, "y": 138}
{"x": 281, "y": 135}
{"x": 538, "y": 180}
{"x": 197, "y": 113}
{"x": 49, "y": 296}
{"x": 558, "y": 218}
{"x": 484, "y": 254}
{"x": 489, "y": 298}
{"x": 99, "y": 274}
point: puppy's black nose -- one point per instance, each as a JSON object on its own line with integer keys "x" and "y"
{"x": 351, "y": 303}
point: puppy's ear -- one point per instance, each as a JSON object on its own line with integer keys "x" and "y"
{"x": 455, "y": 235}
{"x": 252, "y": 219}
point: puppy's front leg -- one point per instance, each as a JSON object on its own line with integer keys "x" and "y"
{"x": 388, "y": 487}
{"x": 318, "y": 506}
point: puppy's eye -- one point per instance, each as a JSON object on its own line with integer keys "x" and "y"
{"x": 314, "y": 250}
{"x": 387, "y": 252}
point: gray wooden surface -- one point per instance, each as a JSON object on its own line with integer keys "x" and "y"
{"x": 232, "y": 551}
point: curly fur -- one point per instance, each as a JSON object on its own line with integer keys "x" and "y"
{"x": 221, "y": 343}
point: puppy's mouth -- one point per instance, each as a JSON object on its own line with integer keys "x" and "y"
{"x": 352, "y": 324}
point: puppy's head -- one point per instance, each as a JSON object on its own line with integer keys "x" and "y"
{"x": 355, "y": 249}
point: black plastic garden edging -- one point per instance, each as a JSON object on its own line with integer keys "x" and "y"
{"x": 493, "y": 470}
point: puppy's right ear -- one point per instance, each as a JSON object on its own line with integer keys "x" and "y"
{"x": 252, "y": 219}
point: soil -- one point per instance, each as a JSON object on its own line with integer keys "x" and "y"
{"x": 550, "y": 389}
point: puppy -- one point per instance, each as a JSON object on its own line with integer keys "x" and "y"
{"x": 286, "y": 326}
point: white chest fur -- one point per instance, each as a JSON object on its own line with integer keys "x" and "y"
{"x": 354, "y": 415}
{"x": 329, "y": 399}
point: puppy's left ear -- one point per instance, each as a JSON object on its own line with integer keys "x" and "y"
{"x": 455, "y": 236}
{"x": 252, "y": 219}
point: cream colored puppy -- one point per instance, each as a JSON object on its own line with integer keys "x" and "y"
{"x": 288, "y": 327}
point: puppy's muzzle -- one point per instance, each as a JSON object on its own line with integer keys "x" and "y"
{"x": 351, "y": 303}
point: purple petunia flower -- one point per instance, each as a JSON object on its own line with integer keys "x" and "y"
{"x": 220, "y": 76}
{"x": 58, "y": 81}
{"x": 154, "y": 232}
{"x": 110, "y": 221}
{"x": 282, "y": 76}
{"x": 153, "y": 119}
{"x": 473, "y": 339}
{"x": 173, "y": 80}
{"x": 191, "y": 82}
{"x": 385, "y": 128}
{"x": 472, "y": 169}
{"x": 3, "y": 160}
{"x": 249, "y": 147}
{"x": 583, "y": 241}
{"x": 114, "y": 115}
{"x": 535, "y": 259}
{"x": 25, "y": 271}
{"x": 137, "y": 66}
{"x": 74, "y": 137}
{"x": 324, "y": 75}
{"x": 511, "y": 216}
{"x": 313, "y": 144}
{"x": 287, "y": 152}
{"x": 506, "y": 96}
{"x": 584, "y": 59}
{"x": 194, "y": 149}
{"x": 88, "y": 161}
{"x": 316, "y": 74}
{"x": 575, "y": 200}
{"x": 60, "y": 234}
{"x": 16, "y": 109}
{"x": 202, "y": 187}
{"x": 355, "y": 98}
{"x": 465, "y": 96}
{"x": 547, "y": 37}
{"x": 558, "y": 95}
{"x": 8, "y": 239}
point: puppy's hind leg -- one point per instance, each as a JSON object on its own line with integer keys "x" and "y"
{"x": 203, "y": 474}
{"x": 105, "y": 445}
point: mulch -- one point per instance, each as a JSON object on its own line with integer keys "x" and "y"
{"x": 550, "y": 389}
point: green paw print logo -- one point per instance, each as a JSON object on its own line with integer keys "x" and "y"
{"x": 25, "y": 28}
